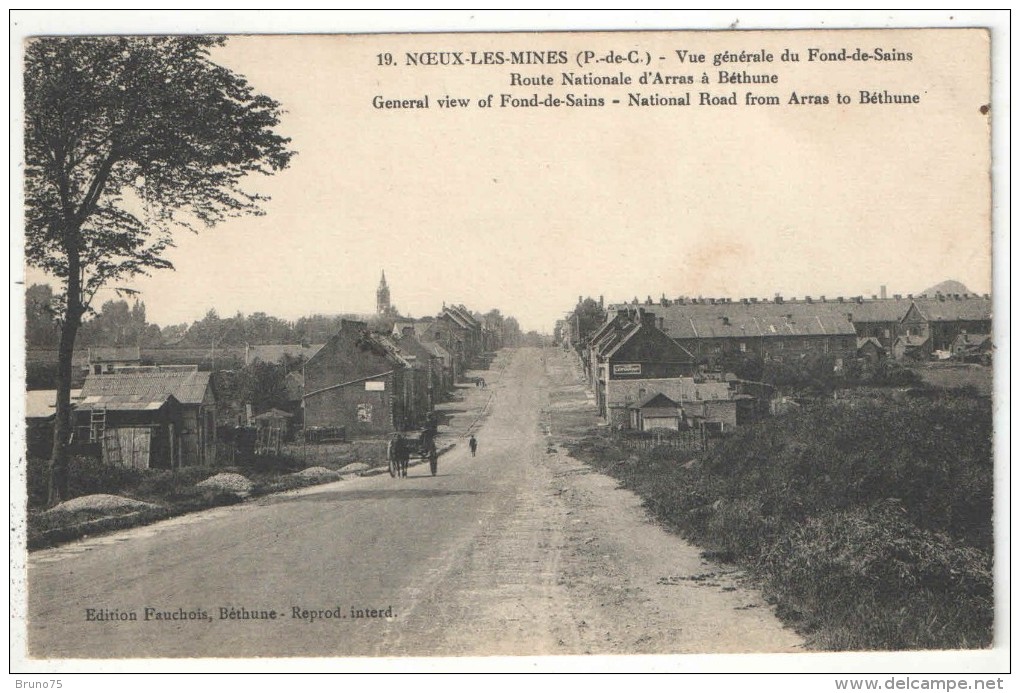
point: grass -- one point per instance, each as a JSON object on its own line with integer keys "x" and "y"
{"x": 868, "y": 523}
{"x": 956, "y": 376}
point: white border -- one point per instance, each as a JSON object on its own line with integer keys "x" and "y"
{"x": 35, "y": 22}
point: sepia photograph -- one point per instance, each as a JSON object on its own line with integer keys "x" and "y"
{"x": 382, "y": 346}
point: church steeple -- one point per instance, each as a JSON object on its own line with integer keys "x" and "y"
{"x": 382, "y": 297}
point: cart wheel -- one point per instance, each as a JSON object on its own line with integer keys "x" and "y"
{"x": 393, "y": 468}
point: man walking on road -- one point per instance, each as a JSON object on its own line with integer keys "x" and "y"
{"x": 473, "y": 444}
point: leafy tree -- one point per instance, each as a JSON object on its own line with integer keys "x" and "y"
{"x": 127, "y": 140}
{"x": 587, "y": 317}
{"x": 41, "y": 329}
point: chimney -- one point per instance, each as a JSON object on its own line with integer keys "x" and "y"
{"x": 601, "y": 301}
{"x": 897, "y": 296}
{"x": 662, "y": 324}
{"x": 881, "y": 291}
{"x": 910, "y": 296}
{"x": 755, "y": 300}
{"x": 807, "y": 299}
{"x": 822, "y": 298}
{"x": 874, "y": 297}
{"x": 744, "y": 301}
{"x": 647, "y": 319}
{"x": 839, "y": 298}
{"x": 779, "y": 299}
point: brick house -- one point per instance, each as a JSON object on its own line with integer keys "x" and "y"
{"x": 359, "y": 382}
{"x": 636, "y": 350}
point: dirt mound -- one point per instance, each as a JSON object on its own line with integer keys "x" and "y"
{"x": 317, "y": 473}
{"x": 100, "y": 502}
{"x": 354, "y": 468}
{"x": 228, "y": 483}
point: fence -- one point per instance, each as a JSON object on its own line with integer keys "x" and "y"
{"x": 694, "y": 440}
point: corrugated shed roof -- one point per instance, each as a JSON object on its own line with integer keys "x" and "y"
{"x": 42, "y": 404}
{"x": 187, "y": 387}
{"x": 144, "y": 402}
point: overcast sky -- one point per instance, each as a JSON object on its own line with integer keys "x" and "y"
{"x": 525, "y": 209}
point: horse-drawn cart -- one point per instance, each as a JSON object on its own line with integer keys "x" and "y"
{"x": 402, "y": 448}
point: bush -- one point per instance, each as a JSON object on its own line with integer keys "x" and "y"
{"x": 88, "y": 475}
{"x": 868, "y": 521}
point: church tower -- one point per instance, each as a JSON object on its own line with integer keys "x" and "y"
{"x": 382, "y": 297}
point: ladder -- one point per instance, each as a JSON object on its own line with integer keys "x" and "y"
{"x": 97, "y": 425}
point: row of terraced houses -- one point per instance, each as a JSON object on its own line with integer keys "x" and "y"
{"x": 666, "y": 362}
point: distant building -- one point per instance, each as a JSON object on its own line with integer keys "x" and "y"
{"x": 973, "y": 347}
{"x": 40, "y": 412}
{"x": 634, "y": 349}
{"x": 656, "y": 411}
{"x": 278, "y": 353}
{"x": 111, "y": 359}
{"x": 871, "y": 349}
{"x": 382, "y": 297}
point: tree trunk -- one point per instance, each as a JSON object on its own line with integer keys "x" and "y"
{"x": 58, "y": 467}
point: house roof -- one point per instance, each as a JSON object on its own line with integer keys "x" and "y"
{"x": 743, "y": 325}
{"x": 881, "y": 310}
{"x": 436, "y": 349}
{"x": 458, "y": 317}
{"x": 106, "y": 354}
{"x": 274, "y": 353}
{"x": 626, "y": 337}
{"x": 972, "y": 340}
{"x": 654, "y": 398}
{"x": 391, "y": 349}
{"x": 861, "y": 341}
{"x": 42, "y": 404}
{"x": 187, "y": 387}
{"x": 952, "y": 309}
{"x": 273, "y": 414}
{"x": 913, "y": 340}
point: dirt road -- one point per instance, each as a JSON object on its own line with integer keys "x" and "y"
{"x": 518, "y": 551}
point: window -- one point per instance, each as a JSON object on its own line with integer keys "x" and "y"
{"x": 743, "y": 347}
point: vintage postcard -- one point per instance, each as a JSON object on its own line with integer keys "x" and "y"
{"x": 521, "y": 344}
